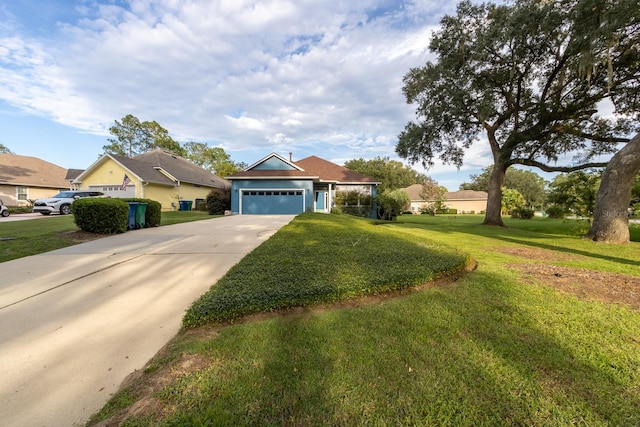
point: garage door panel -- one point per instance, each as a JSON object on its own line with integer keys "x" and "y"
{"x": 272, "y": 202}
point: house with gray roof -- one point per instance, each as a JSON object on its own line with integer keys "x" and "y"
{"x": 464, "y": 201}
{"x": 25, "y": 178}
{"x": 157, "y": 175}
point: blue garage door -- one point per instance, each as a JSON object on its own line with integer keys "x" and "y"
{"x": 272, "y": 202}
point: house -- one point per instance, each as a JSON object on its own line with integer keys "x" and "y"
{"x": 464, "y": 201}
{"x": 275, "y": 185}
{"x": 157, "y": 175}
{"x": 25, "y": 178}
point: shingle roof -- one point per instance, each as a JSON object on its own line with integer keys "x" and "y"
{"x": 31, "y": 172}
{"x": 328, "y": 171}
{"x": 313, "y": 167}
{"x": 146, "y": 165}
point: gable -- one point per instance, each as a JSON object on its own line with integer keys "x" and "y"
{"x": 273, "y": 163}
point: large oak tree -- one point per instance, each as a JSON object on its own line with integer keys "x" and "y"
{"x": 530, "y": 77}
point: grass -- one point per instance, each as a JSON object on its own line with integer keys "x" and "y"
{"x": 32, "y": 237}
{"x": 489, "y": 349}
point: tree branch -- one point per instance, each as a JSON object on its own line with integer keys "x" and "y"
{"x": 548, "y": 168}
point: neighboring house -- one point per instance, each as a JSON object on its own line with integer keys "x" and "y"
{"x": 157, "y": 175}
{"x": 72, "y": 174}
{"x": 24, "y": 178}
{"x": 275, "y": 185}
{"x": 465, "y": 201}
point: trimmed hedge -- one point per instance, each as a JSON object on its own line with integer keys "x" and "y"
{"x": 153, "y": 214}
{"x": 101, "y": 215}
{"x": 522, "y": 213}
{"x": 218, "y": 201}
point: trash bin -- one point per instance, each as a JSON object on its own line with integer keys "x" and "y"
{"x": 131, "y": 221}
{"x": 141, "y": 210}
{"x": 185, "y": 205}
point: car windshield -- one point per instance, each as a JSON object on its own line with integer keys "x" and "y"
{"x": 65, "y": 195}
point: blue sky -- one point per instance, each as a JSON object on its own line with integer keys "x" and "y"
{"x": 310, "y": 77}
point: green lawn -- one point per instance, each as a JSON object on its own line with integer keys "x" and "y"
{"x": 35, "y": 236}
{"x": 495, "y": 347}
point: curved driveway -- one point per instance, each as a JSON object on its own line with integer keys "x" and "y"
{"x": 76, "y": 322}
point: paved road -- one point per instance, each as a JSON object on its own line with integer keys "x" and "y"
{"x": 76, "y": 322}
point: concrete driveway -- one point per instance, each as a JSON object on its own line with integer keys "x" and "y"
{"x": 76, "y": 322}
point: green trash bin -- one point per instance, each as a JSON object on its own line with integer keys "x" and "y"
{"x": 141, "y": 210}
{"x": 189, "y": 204}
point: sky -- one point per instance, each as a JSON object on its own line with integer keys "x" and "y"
{"x": 308, "y": 77}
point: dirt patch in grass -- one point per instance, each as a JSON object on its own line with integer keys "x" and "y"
{"x": 537, "y": 254}
{"x": 612, "y": 288}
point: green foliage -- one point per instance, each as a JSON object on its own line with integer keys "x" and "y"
{"x": 390, "y": 204}
{"x": 291, "y": 268}
{"x": 529, "y": 184}
{"x": 5, "y": 150}
{"x": 101, "y": 215}
{"x": 213, "y": 159}
{"x": 153, "y": 213}
{"x": 133, "y": 137}
{"x": 447, "y": 211}
{"x": 575, "y": 192}
{"x": 512, "y": 199}
{"x": 391, "y": 173}
{"x": 555, "y": 212}
{"x": 218, "y": 201}
{"x": 522, "y": 213}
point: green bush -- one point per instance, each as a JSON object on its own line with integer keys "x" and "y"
{"x": 101, "y": 215}
{"x": 555, "y": 212}
{"x": 522, "y": 213}
{"x": 153, "y": 214}
{"x": 218, "y": 201}
{"x": 447, "y": 211}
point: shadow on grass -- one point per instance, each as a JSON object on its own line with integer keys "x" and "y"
{"x": 484, "y": 352}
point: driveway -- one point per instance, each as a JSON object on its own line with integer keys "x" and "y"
{"x": 77, "y": 321}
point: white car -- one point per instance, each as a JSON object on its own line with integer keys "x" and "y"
{"x": 4, "y": 211}
{"x": 61, "y": 202}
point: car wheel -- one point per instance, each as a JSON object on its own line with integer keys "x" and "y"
{"x": 5, "y": 212}
{"x": 65, "y": 209}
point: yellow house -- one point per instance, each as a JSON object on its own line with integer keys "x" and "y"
{"x": 157, "y": 175}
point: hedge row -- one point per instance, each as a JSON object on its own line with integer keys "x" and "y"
{"x": 109, "y": 215}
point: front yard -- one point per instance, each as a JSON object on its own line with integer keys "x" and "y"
{"x": 533, "y": 336}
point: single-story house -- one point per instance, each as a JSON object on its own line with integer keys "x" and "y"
{"x": 25, "y": 178}
{"x": 275, "y": 185}
{"x": 157, "y": 175}
{"x": 465, "y": 201}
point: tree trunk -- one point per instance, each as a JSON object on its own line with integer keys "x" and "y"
{"x": 610, "y": 218}
{"x": 493, "y": 215}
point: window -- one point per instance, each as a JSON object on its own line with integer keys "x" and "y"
{"x": 22, "y": 193}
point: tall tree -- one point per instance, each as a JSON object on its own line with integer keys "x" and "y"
{"x": 134, "y": 137}
{"x": 529, "y": 184}
{"x": 214, "y": 159}
{"x": 5, "y": 150}
{"x": 610, "y": 221}
{"x": 391, "y": 173}
{"x": 526, "y": 76}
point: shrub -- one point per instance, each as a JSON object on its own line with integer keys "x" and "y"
{"x": 555, "y": 212}
{"x": 447, "y": 211}
{"x": 153, "y": 214}
{"x": 218, "y": 201}
{"x": 522, "y": 213}
{"x": 101, "y": 215}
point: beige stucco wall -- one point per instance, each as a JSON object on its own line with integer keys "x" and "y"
{"x": 463, "y": 206}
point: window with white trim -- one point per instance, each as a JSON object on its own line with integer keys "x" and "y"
{"x": 22, "y": 193}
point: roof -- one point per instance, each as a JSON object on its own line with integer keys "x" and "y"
{"x": 415, "y": 190}
{"x": 312, "y": 167}
{"x": 328, "y": 171}
{"x": 31, "y": 172}
{"x": 73, "y": 174}
{"x": 164, "y": 168}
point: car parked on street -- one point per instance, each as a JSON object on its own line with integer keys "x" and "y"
{"x": 61, "y": 202}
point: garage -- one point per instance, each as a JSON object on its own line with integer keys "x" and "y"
{"x": 115, "y": 190}
{"x": 272, "y": 201}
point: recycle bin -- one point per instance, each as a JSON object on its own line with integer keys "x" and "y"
{"x": 141, "y": 210}
{"x": 131, "y": 220}
{"x": 185, "y": 205}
